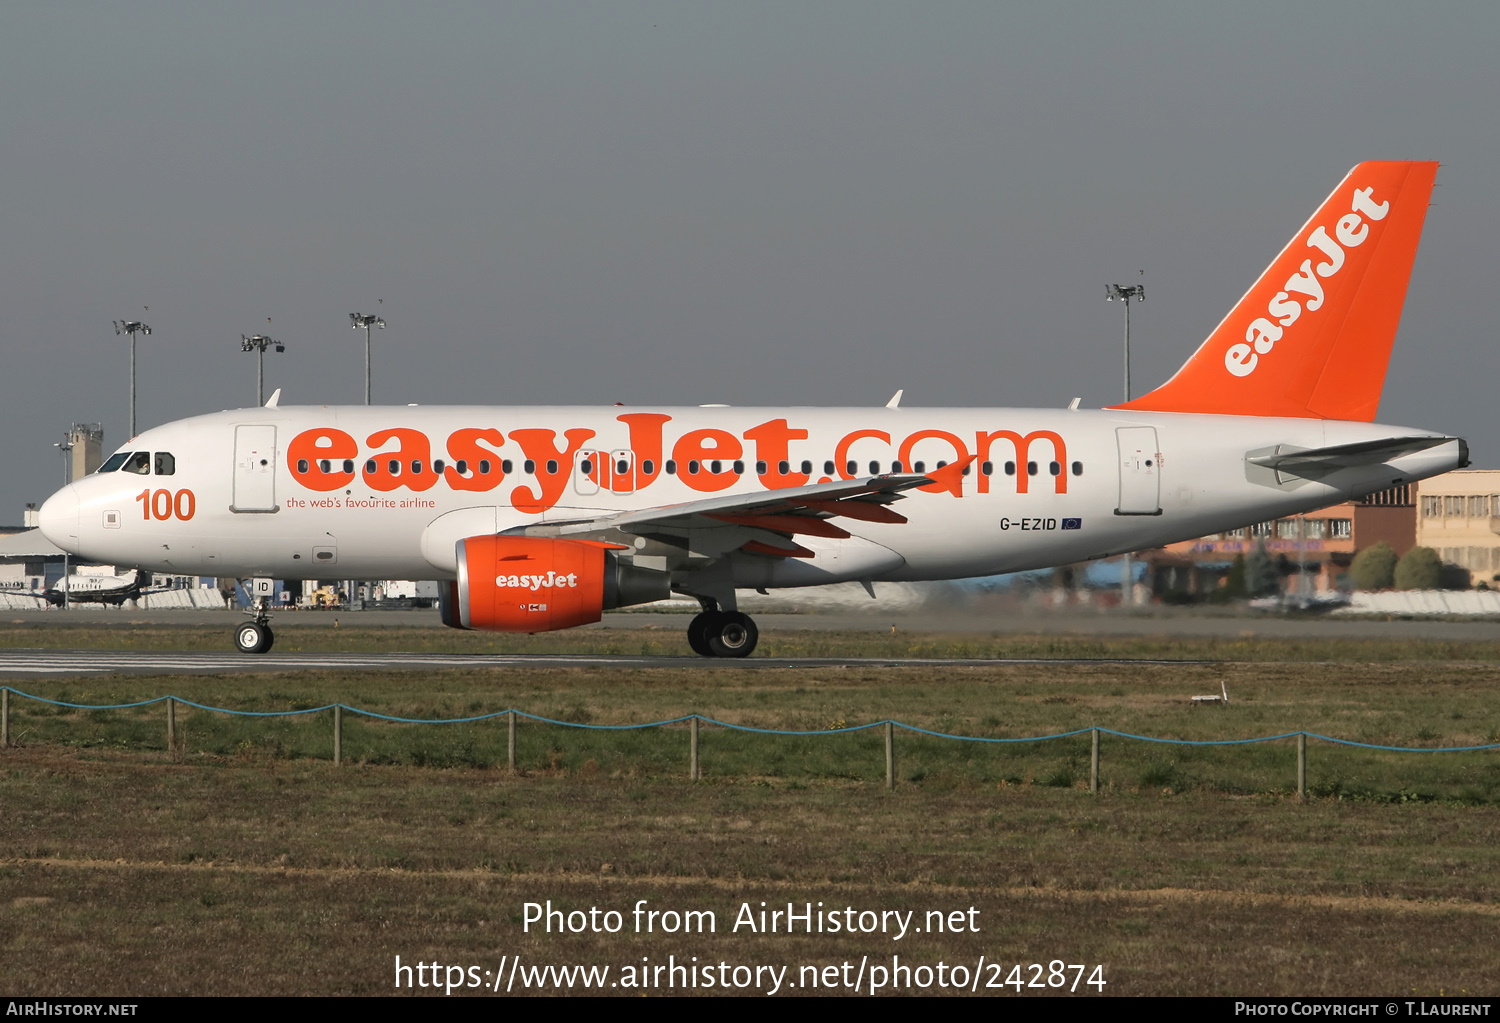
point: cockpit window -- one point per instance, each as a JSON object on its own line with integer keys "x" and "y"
{"x": 115, "y": 461}
{"x": 138, "y": 462}
{"x": 166, "y": 465}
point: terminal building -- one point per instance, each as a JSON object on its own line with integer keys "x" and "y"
{"x": 1458, "y": 516}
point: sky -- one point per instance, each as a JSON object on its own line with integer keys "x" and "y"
{"x": 806, "y": 203}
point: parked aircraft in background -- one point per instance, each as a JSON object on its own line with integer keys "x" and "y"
{"x": 540, "y": 518}
{"x": 99, "y": 589}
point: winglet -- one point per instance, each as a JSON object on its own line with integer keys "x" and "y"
{"x": 895, "y": 401}
{"x": 274, "y": 398}
{"x": 950, "y": 477}
{"x": 1312, "y": 337}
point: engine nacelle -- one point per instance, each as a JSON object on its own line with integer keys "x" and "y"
{"x": 539, "y": 584}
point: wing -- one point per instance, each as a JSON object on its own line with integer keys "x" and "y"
{"x": 762, "y": 523}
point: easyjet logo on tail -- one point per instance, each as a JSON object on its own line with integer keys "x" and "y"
{"x": 1284, "y": 309}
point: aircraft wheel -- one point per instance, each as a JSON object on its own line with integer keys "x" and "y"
{"x": 251, "y": 638}
{"x": 735, "y": 635}
{"x": 698, "y": 631}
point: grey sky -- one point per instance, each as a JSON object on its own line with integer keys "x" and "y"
{"x": 754, "y": 203}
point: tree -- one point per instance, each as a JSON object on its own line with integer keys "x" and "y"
{"x": 1374, "y": 568}
{"x": 1261, "y": 577}
{"x": 1234, "y": 583}
{"x": 1419, "y": 569}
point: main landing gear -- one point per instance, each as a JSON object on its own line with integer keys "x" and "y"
{"x": 716, "y": 633}
{"x": 255, "y": 636}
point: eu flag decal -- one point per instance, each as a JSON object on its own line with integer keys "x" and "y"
{"x": 1072, "y": 523}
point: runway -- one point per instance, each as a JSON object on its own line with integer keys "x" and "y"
{"x": 16, "y": 664}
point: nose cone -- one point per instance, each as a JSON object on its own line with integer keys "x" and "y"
{"x": 58, "y": 519}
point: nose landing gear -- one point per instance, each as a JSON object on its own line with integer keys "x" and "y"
{"x": 255, "y": 636}
{"x": 716, "y": 633}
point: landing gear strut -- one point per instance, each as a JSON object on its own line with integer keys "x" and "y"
{"x": 716, "y": 633}
{"x": 255, "y": 636}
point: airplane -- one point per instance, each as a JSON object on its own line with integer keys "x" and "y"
{"x": 99, "y": 589}
{"x": 541, "y": 518}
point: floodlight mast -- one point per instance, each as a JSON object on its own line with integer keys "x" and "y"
{"x": 1125, "y": 294}
{"x": 131, "y": 327}
{"x": 258, "y": 343}
{"x": 357, "y": 321}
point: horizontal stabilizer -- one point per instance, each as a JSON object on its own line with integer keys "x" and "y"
{"x": 1319, "y": 462}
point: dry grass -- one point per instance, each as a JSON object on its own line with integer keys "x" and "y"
{"x": 246, "y": 863}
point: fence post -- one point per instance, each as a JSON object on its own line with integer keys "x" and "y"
{"x": 1094, "y": 764}
{"x": 171, "y": 726}
{"x": 693, "y": 765}
{"x": 1301, "y": 765}
{"x": 511, "y": 752}
{"x": 890, "y": 755}
{"x": 4, "y": 717}
{"x": 338, "y": 734}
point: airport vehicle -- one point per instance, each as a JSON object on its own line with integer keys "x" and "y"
{"x": 541, "y": 518}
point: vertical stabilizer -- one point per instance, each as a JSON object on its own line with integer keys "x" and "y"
{"x": 1312, "y": 338}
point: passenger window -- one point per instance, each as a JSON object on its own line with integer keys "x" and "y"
{"x": 622, "y": 466}
{"x": 648, "y": 467}
{"x": 850, "y": 467}
{"x": 115, "y": 461}
{"x": 551, "y": 467}
{"x": 1031, "y": 468}
{"x": 323, "y": 466}
{"x": 919, "y": 467}
{"x": 586, "y": 466}
{"x": 166, "y": 465}
{"x": 348, "y": 465}
{"x": 138, "y": 463}
{"x": 462, "y": 467}
{"x": 529, "y": 465}
{"x": 693, "y": 467}
{"x": 760, "y": 468}
{"x": 988, "y": 468}
{"x": 739, "y": 468}
{"x": 1054, "y": 468}
{"x": 716, "y": 467}
{"x": 806, "y": 467}
{"x": 671, "y": 467}
{"x": 484, "y": 467}
{"x": 394, "y": 466}
{"x": 506, "y": 465}
{"x": 1010, "y": 468}
{"x": 371, "y": 467}
{"x": 827, "y": 468}
{"x": 1077, "y": 468}
{"x": 416, "y": 467}
{"x": 302, "y": 465}
{"x": 437, "y": 466}
{"x": 895, "y": 467}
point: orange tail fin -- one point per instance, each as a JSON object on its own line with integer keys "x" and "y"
{"x": 1312, "y": 338}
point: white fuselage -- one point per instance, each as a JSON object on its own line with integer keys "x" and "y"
{"x": 248, "y": 495}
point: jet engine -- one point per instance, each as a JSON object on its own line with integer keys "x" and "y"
{"x": 538, "y": 584}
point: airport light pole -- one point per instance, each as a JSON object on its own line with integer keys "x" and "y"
{"x": 1125, "y": 293}
{"x": 258, "y": 343}
{"x": 66, "y": 447}
{"x": 131, "y": 327}
{"x": 357, "y": 321}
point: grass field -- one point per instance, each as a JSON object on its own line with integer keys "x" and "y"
{"x": 245, "y": 862}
